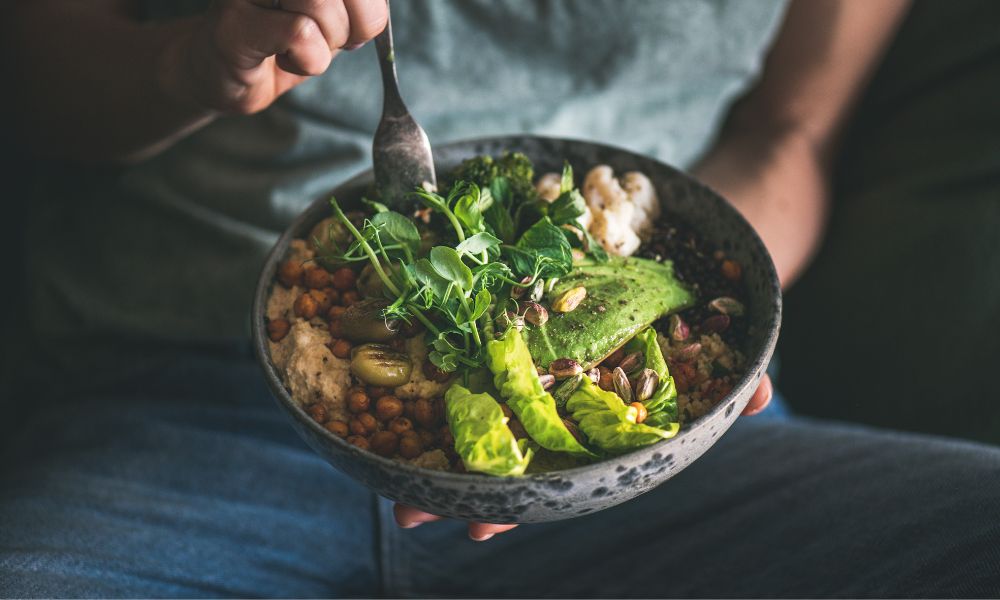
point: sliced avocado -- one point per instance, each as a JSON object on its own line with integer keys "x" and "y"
{"x": 624, "y": 295}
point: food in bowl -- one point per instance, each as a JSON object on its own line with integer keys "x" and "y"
{"x": 509, "y": 324}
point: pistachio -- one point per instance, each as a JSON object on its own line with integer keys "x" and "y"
{"x": 594, "y": 374}
{"x": 537, "y": 291}
{"x": 727, "y": 306}
{"x": 547, "y": 381}
{"x": 562, "y": 368}
{"x": 646, "y": 384}
{"x": 678, "y": 329}
{"x": 569, "y": 300}
{"x": 363, "y": 322}
{"x": 380, "y": 365}
{"x": 715, "y": 324}
{"x": 688, "y": 353}
{"x": 535, "y": 314}
{"x": 551, "y": 283}
{"x": 631, "y": 362}
{"x": 622, "y": 387}
{"x": 517, "y": 291}
{"x": 566, "y": 389}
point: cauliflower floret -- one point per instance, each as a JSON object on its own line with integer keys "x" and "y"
{"x": 614, "y": 234}
{"x": 311, "y": 372}
{"x": 548, "y": 186}
{"x": 623, "y": 215}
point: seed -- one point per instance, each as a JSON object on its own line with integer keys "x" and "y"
{"x": 727, "y": 306}
{"x": 641, "y": 412}
{"x": 411, "y": 446}
{"x": 323, "y": 302}
{"x": 423, "y": 412}
{"x": 290, "y": 273}
{"x": 358, "y": 401}
{"x": 350, "y": 297}
{"x": 646, "y": 384}
{"x": 359, "y": 441}
{"x": 631, "y": 362}
{"x": 400, "y": 425}
{"x": 335, "y": 312}
{"x": 562, "y": 368}
{"x": 538, "y": 290}
{"x": 688, "y": 353}
{"x": 622, "y": 387}
{"x": 388, "y": 408}
{"x": 535, "y": 314}
{"x": 731, "y": 270}
{"x": 337, "y": 428}
{"x": 316, "y": 278}
{"x": 518, "y": 290}
{"x": 547, "y": 381}
{"x": 715, "y": 324}
{"x": 344, "y": 279}
{"x": 317, "y": 412}
{"x": 678, "y": 329}
{"x": 363, "y": 424}
{"x": 566, "y": 389}
{"x": 594, "y": 374}
{"x": 341, "y": 349}
{"x": 384, "y": 443}
{"x": 277, "y": 329}
{"x": 551, "y": 283}
{"x": 305, "y": 306}
{"x": 569, "y": 300}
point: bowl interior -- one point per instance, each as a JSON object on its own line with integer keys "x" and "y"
{"x": 699, "y": 207}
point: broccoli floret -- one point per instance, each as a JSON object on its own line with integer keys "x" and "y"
{"x": 514, "y": 166}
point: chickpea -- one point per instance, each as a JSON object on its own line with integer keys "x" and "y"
{"x": 410, "y": 446}
{"x": 384, "y": 443}
{"x": 277, "y": 329}
{"x": 377, "y": 391}
{"x": 388, "y": 408}
{"x": 333, "y": 295}
{"x": 344, "y": 279}
{"x": 358, "y": 401}
{"x": 305, "y": 306}
{"x": 338, "y": 428}
{"x": 363, "y": 424}
{"x": 400, "y": 425}
{"x": 316, "y": 278}
{"x": 290, "y": 273}
{"x": 323, "y": 302}
{"x": 427, "y": 438}
{"x": 317, "y": 412}
{"x": 445, "y": 437}
{"x": 607, "y": 380}
{"x": 423, "y": 412}
{"x": 336, "y": 311}
{"x": 359, "y": 441}
{"x": 409, "y": 409}
{"x": 341, "y": 349}
{"x": 336, "y": 327}
{"x": 643, "y": 413}
{"x": 350, "y": 297}
{"x": 439, "y": 410}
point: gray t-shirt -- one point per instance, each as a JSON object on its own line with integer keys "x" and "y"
{"x": 168, "y": 251}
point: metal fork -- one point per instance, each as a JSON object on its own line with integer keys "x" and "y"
{"x": 401, "y": 152}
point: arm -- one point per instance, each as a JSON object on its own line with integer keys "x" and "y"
{"x": 774, "y": 155}
{"x": 92, "y": 83}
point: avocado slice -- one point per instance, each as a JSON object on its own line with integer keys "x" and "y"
{"x": 624, "y": 295}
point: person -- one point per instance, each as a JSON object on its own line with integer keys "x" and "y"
{"x": 179, "y": 138}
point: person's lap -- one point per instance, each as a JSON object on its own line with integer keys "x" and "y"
{"x": 191, "y": 483}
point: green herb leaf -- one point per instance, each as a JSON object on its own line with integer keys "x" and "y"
{"x": 471, "y": 205}
{"x": 544, "y": 239}
{"x": 479, "y": 243}
{"x": 378, "y": 207}
{"x": 567, "y": 207}
{"x": 566, "y": 184}
{"x": 448, "y": 263}
{"x": 483, "y": 299}
{"x": 427, "y": 275}
{"x": 398, "y": 228}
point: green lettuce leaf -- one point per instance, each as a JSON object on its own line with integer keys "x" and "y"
{"x": 515, "y": 377}
{"x": 661, "y": 407}
{"x": 609, "y": 424}
{"x": 482, "y": 438}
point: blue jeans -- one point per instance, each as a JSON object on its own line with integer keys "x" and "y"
{"x": 190, "y": 482}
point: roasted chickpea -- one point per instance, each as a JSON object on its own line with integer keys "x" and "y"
{"x": 445, "y": 437}
{"x": 290, "y": 273}
{"x": 409, "y": 409}
{"x": 423, "y": 412}
{"x": 317, "y": 412}
{"x": 384, "y": 443}
{"x": 377, "y": 391}
{"x": 333, "y": 295}
{"x": 410, "y": 446}
{"x": 277, "y": 329}
{"x": 306, "y": 306}
{"x": 400, "y": 425}
{"x": 388, "y": 408}
{"x": 316, "y": 278}
{"x": 341, "y": 349}
{"x": 323, "y": 302}
{"x": 336, "y": 311}
{"x": 344, "y": 279}
{"x": 338, "y": 428}
{"x": 350, "y": 297}
{"x": 336, "y": 328}
{"x": 358, "y": 401}
{"x": 363, "y": 424}
{"x": 360, "y": 441}
{"x": 427, "y": 438}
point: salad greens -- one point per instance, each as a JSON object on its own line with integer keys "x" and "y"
{"x": 661, "y": 407}
{"x": 482, "y": 438}
{"x": 609, "y": 424}
{"x": 514, "y": 375}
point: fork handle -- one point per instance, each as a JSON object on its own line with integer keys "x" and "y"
{"x": 392, "y": 102}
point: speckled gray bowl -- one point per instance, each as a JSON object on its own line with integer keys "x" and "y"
{"x": 582, "y": 490}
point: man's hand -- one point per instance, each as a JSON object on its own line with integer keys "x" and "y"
{"x": 244, "y": 54}
{"x": 408, "y": 517}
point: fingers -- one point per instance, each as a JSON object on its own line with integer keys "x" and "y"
{"x": 247, "y": 34}
{"x": 368, "y": 19}
{"x": 480, "y": 532}
{"x": 761, "y": 398}
{"x": 408, "y": 517}
{"x": 330, "y": 16}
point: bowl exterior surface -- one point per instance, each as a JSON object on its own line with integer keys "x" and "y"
{"x": 582, "y": 490}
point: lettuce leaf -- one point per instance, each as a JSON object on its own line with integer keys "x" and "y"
{"x": 482, "y": 438}
{"x": 661, "y": 407}
{"x": 609, "y": 424}
{"x": 515, "y": 377}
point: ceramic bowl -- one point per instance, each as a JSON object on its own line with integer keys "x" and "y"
{"x": 582, "y": 490}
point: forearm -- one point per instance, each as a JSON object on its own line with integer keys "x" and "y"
{"x": 92, "y": 85}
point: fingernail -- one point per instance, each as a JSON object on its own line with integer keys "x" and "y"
{"x": 482, "y": 538}
{"x": 350, "y": 47}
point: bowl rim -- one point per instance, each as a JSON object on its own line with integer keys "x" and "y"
{"x": 756, "y": 365}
